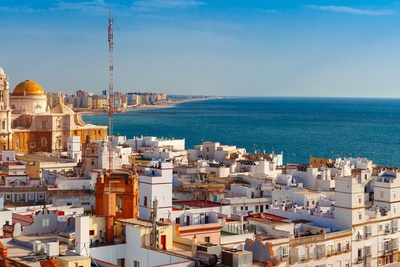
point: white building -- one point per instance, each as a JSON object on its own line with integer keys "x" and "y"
{"x": 213, "y": 151}
{"x": 74, "y": 148}
{"x": 156, "y": 184}
{"x": 147, "y": 142}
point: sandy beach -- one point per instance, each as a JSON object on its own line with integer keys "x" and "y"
{"x": 168, "y": 104}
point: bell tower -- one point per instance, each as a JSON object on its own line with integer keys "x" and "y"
{"x": 5, "y": 113}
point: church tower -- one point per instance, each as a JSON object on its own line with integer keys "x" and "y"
{"x": 5, "y": 113}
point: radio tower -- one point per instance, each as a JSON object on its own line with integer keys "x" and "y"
{"x": 110, "y": 88}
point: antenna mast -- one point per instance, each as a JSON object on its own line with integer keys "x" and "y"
{"x": 110, "y": 88}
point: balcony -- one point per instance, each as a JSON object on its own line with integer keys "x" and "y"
{"x": 390, "y": 251}
{"x": 387, "y": 231}
{"x": 293, "y": 259}
{"x": 307, "y": 240}
{"x": 360, "y": 258}
{"x": 368, "y": 234}
{"x": 368, "y": 256}
{"x": 306, "y": 257}
{"x": 320, "y": 255}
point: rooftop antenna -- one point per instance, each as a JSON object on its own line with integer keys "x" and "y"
{"x": 153, "y": 212}
{"x": 110, "y": 88}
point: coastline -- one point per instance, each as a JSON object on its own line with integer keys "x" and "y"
{"x": 169, "y": 104}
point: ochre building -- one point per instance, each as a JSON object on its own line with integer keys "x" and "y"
{"x": 28, "y": 125}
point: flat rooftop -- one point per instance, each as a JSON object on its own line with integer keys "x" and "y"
{"x": 197, "y": 204}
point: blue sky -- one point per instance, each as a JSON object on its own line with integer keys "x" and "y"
{"x": 221, "y": 47}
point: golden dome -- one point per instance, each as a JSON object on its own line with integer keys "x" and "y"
{"x": 28, "y": 88}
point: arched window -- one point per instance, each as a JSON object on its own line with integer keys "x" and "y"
{"x": 43, "y": 141}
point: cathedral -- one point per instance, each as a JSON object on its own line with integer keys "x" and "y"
{"x": 28, "y": 125}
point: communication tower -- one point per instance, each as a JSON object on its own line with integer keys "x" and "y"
{"x": 110, "y": 88}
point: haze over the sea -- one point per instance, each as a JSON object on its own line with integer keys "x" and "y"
{"x": 300, "y": 127}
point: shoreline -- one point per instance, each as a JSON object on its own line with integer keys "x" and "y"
{"x": 168, "y": 104}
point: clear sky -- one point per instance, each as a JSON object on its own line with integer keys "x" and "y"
{"x": 220, "y": 47}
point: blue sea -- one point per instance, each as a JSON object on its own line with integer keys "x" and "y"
{"x": 300, "y": 127}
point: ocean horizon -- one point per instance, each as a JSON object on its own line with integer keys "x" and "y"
{"x": 299, "y": 126}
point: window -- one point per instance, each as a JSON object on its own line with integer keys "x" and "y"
{"x": 359, "y": 216}
{"x": 178, "y": 220}
{"x": 207, "y": 239}
{"x": 3, "y": 125}
{"x": 256, "y": 208}
{"x": 145, "y": 201}
{"x": 339, "y": 247}
{"x": 320, "y": 251}
{"x": 285, "y": 251}
{"x": 91, "y": 232}
{"x": 368, "y": 231}
{"x": 20, "y": 197}
{"x": 368, "y": 251}
{"x": 8, "y": 196}
{"x": 16, "y": 145}
{"x": 359, "y": 254}
{"x": 45, "y": 222}
{"x": 386, "y": 246}
{"x": 119, "y": 204}
{"x": 31, "y": 196}
{"x": 136, "y": 264}
{"x": 43, "y": 141}
{"x": 43, "y": 125}
{"x": 246, "y": 208}
{"x": 40, "y": 196}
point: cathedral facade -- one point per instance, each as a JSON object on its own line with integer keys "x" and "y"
{"x": 28, "y": 125}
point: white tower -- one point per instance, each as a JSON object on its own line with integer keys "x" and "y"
{"x": 5, "y": 113}
{"x": 387, "y": 192}
{"x": 82, "y": 238}
{"x": 349, "y": 202}
{"x": 74, "y": 150}
{"x": 103, "y": 154}
{"x": 156, "y": 183}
